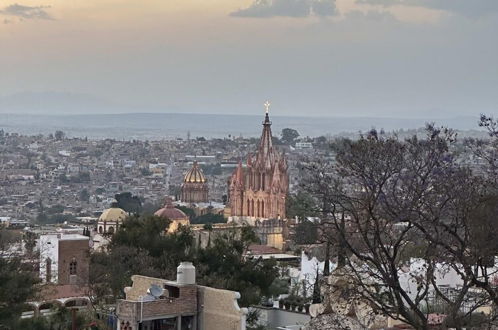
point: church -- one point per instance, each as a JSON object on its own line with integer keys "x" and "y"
{"x": 194, "y": 188}
{"x": 259, "y": 190}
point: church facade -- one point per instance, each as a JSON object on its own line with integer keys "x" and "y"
{"x": 259, "y": 190}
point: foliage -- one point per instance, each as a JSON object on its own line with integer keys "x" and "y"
{"x": 141, "y": 247}
{"x": 84, "y": 195}
{"x": 187, "y": 210}
{"x": 61, "y": 319}
{"x": 301, "y": 205}
{"x": 209, "y": 218}
{"x": 59, "y": 135}
{"x": 129, "y": 203}
{"x": 222, "y": 265}
{"x": 289, "y": 135}
{"x": 17, "y": 284}
{"x": 306, "y": 232}
{"x": 111, "y": 272}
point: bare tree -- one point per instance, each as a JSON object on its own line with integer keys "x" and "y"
{"x": 405, "y": 213}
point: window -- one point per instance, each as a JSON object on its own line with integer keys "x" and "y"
{"x": 173, "y": 291}
{"x": 48, "y": 265}
{"x": 72, "y": 267}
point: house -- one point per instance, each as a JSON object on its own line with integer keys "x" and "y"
{"x": 154, "y": 303}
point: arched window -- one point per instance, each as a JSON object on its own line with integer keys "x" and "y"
{"x": 48, "y": 270}
{"x": 264, "y": 182}
{"x": 248, "y": 207}
{"x": 111, "y": 230}
{"x": 72, "y": 267}
{"x": 258, "y": 208}
{"x": 101, "y": 230}
{"x": 263, "y": 209}
{"x": 252, "y": 208}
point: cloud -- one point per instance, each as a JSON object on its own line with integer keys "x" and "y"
{"x": 470, "y": 8}
{"x": 371, "y": 15}
{"x": 27, "y": 12}
{"x": 288, "y": 8}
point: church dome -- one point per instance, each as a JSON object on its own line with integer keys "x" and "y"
{"x": 195, "y": 175}
{"x": 113, "y": 214}
{"x": 170, "y": 211}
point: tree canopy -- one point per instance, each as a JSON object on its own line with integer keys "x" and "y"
{"x": 289, "y": 135}
{"x": 141, "y": 247}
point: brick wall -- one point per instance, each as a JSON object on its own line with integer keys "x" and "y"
{"x": 80, "y": 252}
{"x": 128, "y": 309}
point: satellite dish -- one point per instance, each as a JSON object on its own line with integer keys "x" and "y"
{"x": 155, "y": 290}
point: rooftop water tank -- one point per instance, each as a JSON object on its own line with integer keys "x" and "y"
{"x": 185, "y": 273}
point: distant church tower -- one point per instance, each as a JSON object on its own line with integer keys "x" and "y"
{"x": 260, "y": 190}
{"x": 194, "y": 188}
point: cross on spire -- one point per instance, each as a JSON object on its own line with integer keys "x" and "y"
{"x": 267, "y": 106}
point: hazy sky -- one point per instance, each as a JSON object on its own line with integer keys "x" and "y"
{"x": 403, "y": 58}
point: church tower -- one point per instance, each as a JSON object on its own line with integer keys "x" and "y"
{"x": 260, "y": 190}
{"x": 194, "y": 188}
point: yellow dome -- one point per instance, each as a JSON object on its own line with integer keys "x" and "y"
{"x": 195, "y": 175}
{"x": 113, "y": 214}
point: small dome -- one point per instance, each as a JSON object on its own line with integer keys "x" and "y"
{"x": 169, "y": 211}
{"x": 113, "y": 214}
{"x": 195, "y": 175}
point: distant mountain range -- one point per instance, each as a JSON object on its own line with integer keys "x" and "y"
{"x": 87, "y": 115}
{"x": 174, "y": 125}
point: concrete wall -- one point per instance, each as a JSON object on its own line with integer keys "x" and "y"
{"x": 218, "y": 309}
{"x": 274, "y": 318}
{"x": 49, "y": 248}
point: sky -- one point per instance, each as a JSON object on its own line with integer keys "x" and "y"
{"x": 376, "y": 58}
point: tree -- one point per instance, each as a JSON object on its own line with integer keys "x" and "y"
{"x": 17, "y": 283}
{"x": 59, "y": 135}
{"x": 306, "y": 232}
{"x": 289, "y": 135}
{"x": 382, "y": 196}
{"x": 223, "y": 265}
{"x": 141, "y": 247}
{"x": 190, "y": 212}
{"x": 301, "y": 205}
{"x": 84, "y": 195}
{"x": 129, "y": 203}
{"x": 30, "y": 242}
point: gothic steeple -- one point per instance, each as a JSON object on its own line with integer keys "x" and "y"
{"x": 266, "y": 143}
